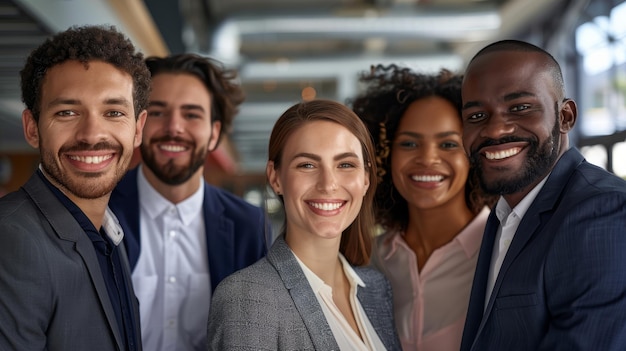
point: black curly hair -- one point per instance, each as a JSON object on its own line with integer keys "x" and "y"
{"x": 84, "y": 44}
{"x": 226, "y": 94}
{"x": 389, "y": 92}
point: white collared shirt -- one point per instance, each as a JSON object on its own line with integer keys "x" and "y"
{"x": 112, "y": 227}
{"x": 509, "y": 221}
{"x": 171, "y": 278}
{"x": 346, "y": 337}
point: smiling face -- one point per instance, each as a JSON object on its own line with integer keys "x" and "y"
{"x": 429, "y": 166}
{"x": 515, "y": 121}
{"x": 178, "y": 133}
{"x": 87, "y": 128}
{"x": 322, "y": 180}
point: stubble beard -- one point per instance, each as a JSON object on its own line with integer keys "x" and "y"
{"x": 540, "y": 160}
{"x": 84, "y": 185}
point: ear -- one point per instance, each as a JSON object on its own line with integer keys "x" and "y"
{"x": 141, "y": 121}
{"x": 31, "y": 128}
{"x": 272, "y": 177}
{"x": 366, "y": 185}
{"x": 216, "y": 128}
{"x": 568, "y": 115}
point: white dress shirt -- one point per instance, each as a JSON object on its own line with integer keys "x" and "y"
{"x": 509, "y": 221}
{"x": 171, "y": 278}
{"x": 346, "y": 337}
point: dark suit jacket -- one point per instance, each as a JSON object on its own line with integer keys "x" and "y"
{"x": 562, "y": 285}
{"x": 235, "y": 229}
{"x": 52, "y": 293}
{"x": 271, "y": 306}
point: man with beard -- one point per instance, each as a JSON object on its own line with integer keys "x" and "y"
{"x": 183, "y": 235}
{"x": 551, "y": 272}
{"x": 64, "y": 276}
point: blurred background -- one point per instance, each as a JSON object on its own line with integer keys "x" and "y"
{"x": 292, "y": 50}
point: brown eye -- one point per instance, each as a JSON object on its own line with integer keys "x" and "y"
{"x": 520, "y": 108}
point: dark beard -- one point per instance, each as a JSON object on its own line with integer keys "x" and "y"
{"x": 540, "y": 160}
{"x": 169, "y": 173}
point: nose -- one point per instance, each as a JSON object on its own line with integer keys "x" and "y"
{"x": 174, "y": 122}
{"x": 327, "y": 181}
{"x": 91, "y": 129}
{"x": 428, "y": 154}
{"x": 497, "y": 126}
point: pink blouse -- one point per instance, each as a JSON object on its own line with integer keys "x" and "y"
{"x": 430, "y": 306}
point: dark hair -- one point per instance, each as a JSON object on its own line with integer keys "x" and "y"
{"x": 517, "y": 45}
{"x": 226, "y": 95}
{"x": 389, "y": 92}
{"x": 84, "y": 44}
{"x": 356, "y": 240}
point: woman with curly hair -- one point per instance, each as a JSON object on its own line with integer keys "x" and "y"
{"x": 428, "y": 202}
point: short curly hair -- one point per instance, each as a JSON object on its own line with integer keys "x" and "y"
{"x": 84, "y": 44}
{"x": 389, "y": 92}
{"x": 226, "y": 94}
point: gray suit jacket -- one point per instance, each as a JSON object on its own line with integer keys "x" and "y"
{"x": 271, "y": 306}
{"x": 52, "y": 293}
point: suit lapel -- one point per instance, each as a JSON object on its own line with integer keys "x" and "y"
{"x": 68, "y": 229}
{"x": 531, "y": 222}
{"x": 285, "y": 263}
{"x": 545, "y": 201}
{"x": 129, "y": 283}
{"x": 125, "y": 204}
{"x": 219, "y": 238}
{"x": 369, "y": 298}
{"x": 476, "y": 308}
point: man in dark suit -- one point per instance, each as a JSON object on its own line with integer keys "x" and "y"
{"x": 183, "y": 235}
{"x": 551, "y": 272}
{"x": 64, "y": 276}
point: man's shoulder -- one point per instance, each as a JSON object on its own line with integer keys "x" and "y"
{"x": 583, "y": 179}
{"x": 14, "y": 206}
{"x": 592, "y": 180}
{"x": 129, "y": 180}
{"x": 228, "y": 200}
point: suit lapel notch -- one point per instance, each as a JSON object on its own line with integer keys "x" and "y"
{"x": 282, "y": 258}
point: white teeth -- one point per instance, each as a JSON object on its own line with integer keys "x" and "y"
{"x": 172, "y": 148}
{"x": 326, "y": 206}
{"x": 503, "y": 154}
{"x": 91, "y": 159}
{"x": 427, "y": 178}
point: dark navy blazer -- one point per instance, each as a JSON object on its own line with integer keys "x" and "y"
{"x": 235, "y": 229}
{"x": 562, "y": 285}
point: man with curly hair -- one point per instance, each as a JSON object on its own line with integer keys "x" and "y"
{"x": 184, "y": 235}
{"x": 64, "y": 276}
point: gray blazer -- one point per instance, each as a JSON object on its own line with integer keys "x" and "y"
{"x": 52, "y": 293}
{"x": 271, "y": 306}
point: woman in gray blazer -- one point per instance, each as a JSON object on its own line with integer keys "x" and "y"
{"x": 312, "y": 291}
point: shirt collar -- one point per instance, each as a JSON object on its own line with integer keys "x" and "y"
{"x": 318, "y": 285}
{"x": 470, "y": 237}
{"x": 110, "y": 224}
{"x": 155, "y": 204}
{"x": 503, "y": 209}
{"x": 112, "y": 227}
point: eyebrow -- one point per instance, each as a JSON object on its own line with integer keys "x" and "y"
{"x": 507, "y": 97}
{"x": 68, "y": 101}
{"x": 438, "y": 135}
{"x": 183, "y": 107}
{"x": 318, "y": 158}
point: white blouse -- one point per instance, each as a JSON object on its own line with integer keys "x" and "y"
{"x": 345, "y": 336}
